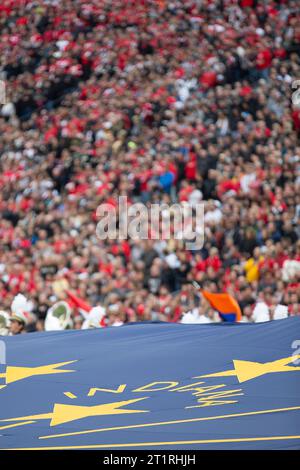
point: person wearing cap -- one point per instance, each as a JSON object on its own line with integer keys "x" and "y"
{"x": 17, "y": 324}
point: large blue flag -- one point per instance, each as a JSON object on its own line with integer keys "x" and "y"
{"x": 153, "y": 386}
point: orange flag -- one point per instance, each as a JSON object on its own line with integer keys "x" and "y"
{"x": 225, "y": 304}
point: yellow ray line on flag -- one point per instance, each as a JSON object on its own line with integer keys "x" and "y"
{"x": 166, "y": 423}
{"x": 286, "y": 360}
{"x": 35, "y": 417}
{"x": 225, "y": 373}
{"x": 16, "y": 424}
{"x": 164, "y": 443}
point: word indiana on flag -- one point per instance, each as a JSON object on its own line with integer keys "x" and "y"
{"x": 153, "y": 386}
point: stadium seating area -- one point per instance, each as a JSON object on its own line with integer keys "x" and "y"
{"x": 172, "y": 101}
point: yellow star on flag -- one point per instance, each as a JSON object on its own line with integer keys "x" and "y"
{"x": 14, "y": 373}
{"x": 65, "y": 413}
{"x": 248, "y": 370}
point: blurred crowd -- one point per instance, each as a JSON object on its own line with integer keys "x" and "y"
{"x": 160, "y": 101}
